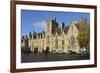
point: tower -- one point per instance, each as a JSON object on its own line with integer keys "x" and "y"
{"x": 50, "y": 28}
{"x": 62, "y": 26}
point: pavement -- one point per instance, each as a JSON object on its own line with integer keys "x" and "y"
{"x": 42, "y": 57}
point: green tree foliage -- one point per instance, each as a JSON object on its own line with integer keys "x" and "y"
{"x": 84, "y": 34}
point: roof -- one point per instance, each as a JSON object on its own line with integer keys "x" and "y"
{"x": 66, "y": 29}
{"x": 78, "y": 26}
{"x": 59, "y": 30}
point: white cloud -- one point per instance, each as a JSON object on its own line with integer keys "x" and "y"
{"x": 39, "y": 26}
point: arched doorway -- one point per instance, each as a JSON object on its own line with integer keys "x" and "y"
{"x": 36, "y": 50}
{"x": 47, "y": 50}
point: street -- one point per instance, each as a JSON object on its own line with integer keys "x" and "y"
{"x": 42, "y": 57}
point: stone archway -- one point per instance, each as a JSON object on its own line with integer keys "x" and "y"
{"x": 36, "y": 50}
{"x": 47, "y": 50}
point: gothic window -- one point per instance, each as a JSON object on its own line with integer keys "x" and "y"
{"x": 48, "y": 28}
{"x": 48, "y": 39}
{"x": 62, "y": 42}
{"x": 42, "y": 42}
{"x": 72, "y": 40}
{"x": 56, "y": 42}
{"x": 62, "y": 47}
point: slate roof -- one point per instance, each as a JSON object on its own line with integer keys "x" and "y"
{"x": 59, "y": 30}
{"x": 66, "y": 29}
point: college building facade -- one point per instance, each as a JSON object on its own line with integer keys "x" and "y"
{"x": 54, "y": 38}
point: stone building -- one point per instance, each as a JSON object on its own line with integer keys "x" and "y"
{"x": 54, "y": 38}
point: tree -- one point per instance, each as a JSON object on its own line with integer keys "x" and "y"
{"x": 84, "y": 34}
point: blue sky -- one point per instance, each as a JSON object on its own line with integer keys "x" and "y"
{"x": 33, "y": 20}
